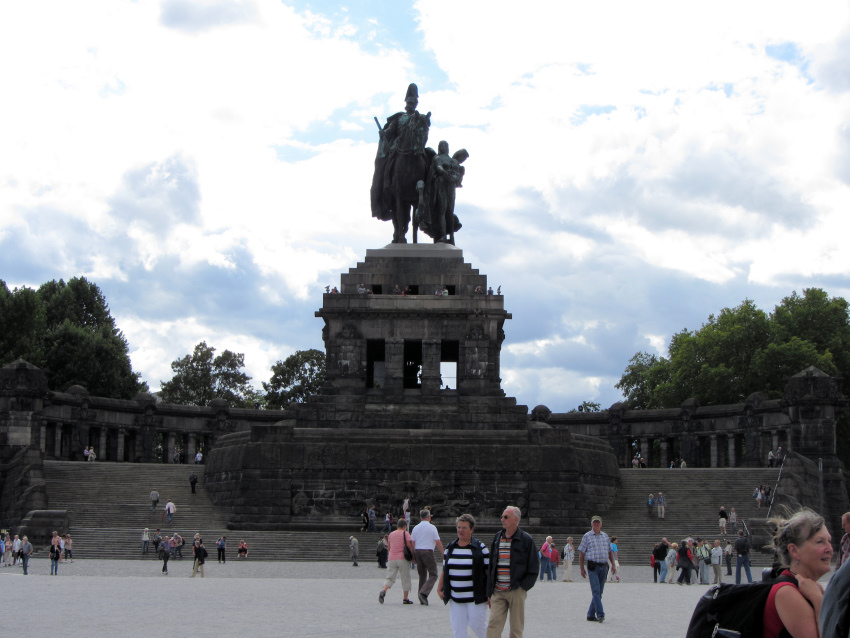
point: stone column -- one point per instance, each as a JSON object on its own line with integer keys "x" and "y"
{"x": 714, "y": 459}
{"x": 119, "y": 446}
{"x": 785, "y": 450}
{"x": 57, "y": 449}
{"x": 774, "y": 440}
{"x": 430, "y": 366}
{"x": 394, "y": 365}
{"x": 101, "y": 452}
{"x": 644, "y": 450}
{"x": 730, "y": 443}
{"x": 663, "y": 450}
{"x": 192, "y": 448}
{"x": 169, "y": 447}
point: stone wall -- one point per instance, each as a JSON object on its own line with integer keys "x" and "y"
{"x": 286, "y": 477}
{"x": 22, "y": 487}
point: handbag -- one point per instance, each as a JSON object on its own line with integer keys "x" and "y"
{"x": 408, "y": 555}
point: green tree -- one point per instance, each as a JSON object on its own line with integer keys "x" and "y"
{"x": 743, "y": 350}
{"x": 587, "y": 406}
{"x": 199, "y": 378}
{"x": 67, "y": 329}
{"x": 294, "y": 379}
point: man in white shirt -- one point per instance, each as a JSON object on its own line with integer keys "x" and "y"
{"x": 425, "y": 540}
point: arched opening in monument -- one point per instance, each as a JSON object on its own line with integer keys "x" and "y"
{"x": 450, "y": 288}
{"x": 375, "y": 366}
{"x": 655, "y": 453}
{"x": 449, "y": 356}
{"x": 414, "y": 289}
{"x": 377, "y": 289}
{"x": 412, "y": 364}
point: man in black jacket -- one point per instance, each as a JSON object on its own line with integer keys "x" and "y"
{"x": 513, "y": 571}
{"x": 200, "y": 553}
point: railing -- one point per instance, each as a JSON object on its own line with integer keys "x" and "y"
{"x": 775, "y": 487}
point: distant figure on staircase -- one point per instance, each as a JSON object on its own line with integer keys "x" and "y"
{"x": 242, "y": 552}
{"x": 733, "y": 521}
{"x": 770, "y": 458}
{"x": 146, "y": 539}
{"x": 199, "y": 457}
{"x": 683, "y": 465}
{"x": 169, "y": 510}
{"x": 354, "y": 549}
{"x": 154, "y": 499}
{"x": 193, "y": 481}
{"x": 661, "y": 504}
{"x": 650, "y": 503}
{"x": 722, "y": 516}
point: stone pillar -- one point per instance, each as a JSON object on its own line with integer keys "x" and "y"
{"x": 119, "y": 446}
{"x": 42, "y": 437}
{"x": 663, "y": 450}
{"x": 394, "y": 365}
{"x": 785, "y": 450}
{"x": 644, "y": 450}
{"x": 101, "y": 452}
{"x": 192, "y": 448}
{"x": 714, "y": 450}
{"x": 730, "y": 442}
{"x": 430, "y": 366}
{"x": 57, "y": 449}
{"x": 169, "y": 447}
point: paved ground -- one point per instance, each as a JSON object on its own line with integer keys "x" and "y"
{"x": 301, "y": 600}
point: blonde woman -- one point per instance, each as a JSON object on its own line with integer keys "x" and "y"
{"x": 802, "y": 544}
{"x": 672, "y": 555}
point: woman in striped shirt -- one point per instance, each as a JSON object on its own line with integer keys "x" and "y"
{"x": 463, "y": 582}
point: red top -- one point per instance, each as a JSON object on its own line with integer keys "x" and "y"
{"x": 772, "y": 624}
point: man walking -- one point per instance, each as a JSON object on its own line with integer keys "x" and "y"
{"x": 661, "y": 504}
{"x": 154, "y": 499}
{"x": 844, "y": 546}
{"x": 425, "y": 540}
{"x": 513, "y": 571}
{"x": 703, "y": 554}
{"x": 26, "y": 551}
{"x": 169, "y": 510}
{"x": 371, "y": 515}
{"x": 221, "y": 546}
{"x": 193, "y": 481}
{"x": 354, "y": 546}
{"x": 595, "y": 547}
{"x": 742, "y": 548}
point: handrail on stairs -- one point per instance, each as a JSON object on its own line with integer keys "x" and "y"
{"x": 775, "y": 487}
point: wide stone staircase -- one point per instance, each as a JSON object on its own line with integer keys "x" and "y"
{"x": 109, "y": 507}
{"x": 694, "y": 497}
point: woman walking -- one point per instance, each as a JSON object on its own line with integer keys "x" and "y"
{"x": 398, "y": 562}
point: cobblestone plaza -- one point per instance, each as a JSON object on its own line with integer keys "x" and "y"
{"x": 244, "y": 598}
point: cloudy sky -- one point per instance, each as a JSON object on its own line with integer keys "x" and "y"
{"x": 633, "y": 167}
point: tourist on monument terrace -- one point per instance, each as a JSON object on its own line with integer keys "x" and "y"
{"x": 569, "y": 557}
{"x": 513, "y": 571}
{"x": 146, "y": 539}
{"x": 193, "y": 481}
{"x": 54, "y": 554}
{"x": 399, "y": 562}
{"x": 221, "y": 546}
{"x": 164, "y": 553}
{"x": 733, "y": 521}
{"x": 382, "y": 552}
{"x": 200, "y": 554}
{"x": 463, "y": 582}
{"x": 670, "y": 560}
{"x": 722, "y": 516}
{"x": 742, "y": 548}
{"x": 242, "y": 552}
{"x": 595, "y": 551}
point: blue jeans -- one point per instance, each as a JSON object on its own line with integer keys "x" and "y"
{"x": 745, "y": 561}
{"x": 54, "y": 566}
{"x": 145, "y": 547}
{"x": 704, "y": 572}
{"x": 663, "y": 575}
{"x": 597, "y": 577}
{"x": 169, "y": 516}
{"x": 544, "y": 567}
{"x": 553, "y": 571}
{"x": 25, "y": 560}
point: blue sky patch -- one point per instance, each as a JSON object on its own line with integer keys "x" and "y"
{"x": 586, "y": 110}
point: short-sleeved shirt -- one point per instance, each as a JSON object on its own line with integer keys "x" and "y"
{"x": 425, "y": 536}
{"x": 595, "y": 547}
{"x": 395, "y": 544}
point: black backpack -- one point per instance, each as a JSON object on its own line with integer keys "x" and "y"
{"x": 733, "y": 610}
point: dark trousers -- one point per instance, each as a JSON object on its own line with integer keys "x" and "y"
{"x": 165, "y": 563}
{"x": 728, "y": 564}
{"x": 426, "y": 565}
{"x": 221, "y": 554}
{"x": 193, "y": 487}
{"x": 656, "y": 569}
{"x": 685, "y": 576}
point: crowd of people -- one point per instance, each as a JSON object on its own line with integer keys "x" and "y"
{"x": 16, "y": 551}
